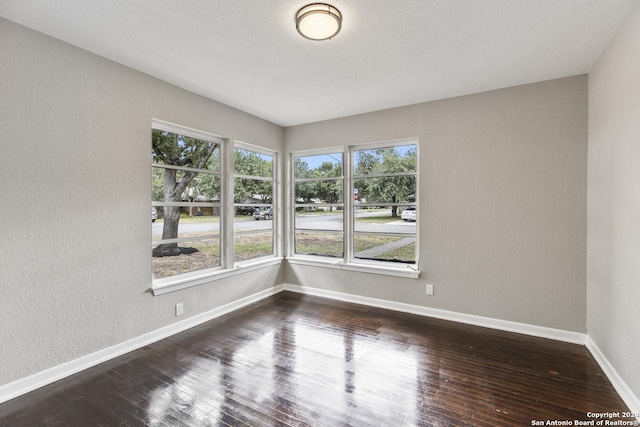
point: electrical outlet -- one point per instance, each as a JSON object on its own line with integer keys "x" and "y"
{"x": 429, "y": 289}
{"x": 179, "y": 309}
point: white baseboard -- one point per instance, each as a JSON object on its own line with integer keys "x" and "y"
{"x": 627, "y": 395}
{"x": 618, "y": 383}
{"x": 48, "y": 376}
{"x": 470, "y": 319}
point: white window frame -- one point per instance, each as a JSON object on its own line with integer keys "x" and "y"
{"x": 276, "y": 245}
{"x": 291, "y": 199}
{"x": 227, "y": 266}
{"x": 348, "y": 262}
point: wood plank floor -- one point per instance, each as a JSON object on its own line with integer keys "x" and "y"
{"x": 295, "y": 360}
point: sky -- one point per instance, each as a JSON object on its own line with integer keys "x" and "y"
{"x": 315, "y": 161}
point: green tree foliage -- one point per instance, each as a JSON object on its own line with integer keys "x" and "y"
{"x": 386, "y": 189}
{"x": 304, "y": 190}
{"x": 328, "y": 191}
{"x": 182, "y": 151}
{"x": 253, "y": 164}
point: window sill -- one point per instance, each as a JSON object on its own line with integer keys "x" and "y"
{"x": 338, "y": 264}
{"x": 187, "y": 282}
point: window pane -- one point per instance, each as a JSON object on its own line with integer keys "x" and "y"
{"x": 261, "y": 218}
{"x": 192, "y": 256}
{"x": 251, "y": 246}
{"x": 324, "y": 165}
{"x": 248, "y": 191}
{"x": 391, "y": 189}
{"x": 172, "y": 185}
{"x": 329, "y": 191}
{"x": 319, "y": 219}
{"x": 385, "y": 160}
{"x": 385, "y": 248}
{"x": 388, "y": 220}
{"x": 252, "y": 163}
{"x": 327, "y": 244}
{"x": 188, "y": 222}
{"x": 179, "y": 150}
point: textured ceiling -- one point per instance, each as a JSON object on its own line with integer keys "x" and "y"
{"x": 247, "y": 53}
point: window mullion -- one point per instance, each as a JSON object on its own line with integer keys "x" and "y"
{"x": 290, "y": 206}
{"x": 227, "y": 209}
{"x": 280, "y": 207}
{"x": 347, "y": 196}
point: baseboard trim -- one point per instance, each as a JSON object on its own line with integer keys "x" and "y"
{"x": 625, "y": 392}
{"x": 470, "y": 319}
{"x": 48, "y": 376}
{"x": 19, "y": 387}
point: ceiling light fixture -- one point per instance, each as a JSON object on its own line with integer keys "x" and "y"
{"x": 318, "y": 21}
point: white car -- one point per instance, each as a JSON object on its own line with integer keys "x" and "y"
{"x": 409, "y": 214}
{"x": 154, "y": 214}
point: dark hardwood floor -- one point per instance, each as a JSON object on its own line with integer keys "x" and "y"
{"x": 299, "y": 360}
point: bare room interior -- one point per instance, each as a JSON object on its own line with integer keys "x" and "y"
{"x": 372, "y": 213}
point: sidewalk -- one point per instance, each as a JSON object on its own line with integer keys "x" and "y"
{"x": 379, "y": 250}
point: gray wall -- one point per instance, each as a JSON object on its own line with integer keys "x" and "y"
{"x": 75, "y": 198}
{"x": 613, "y": 262}
{"x": 502, "y": 203}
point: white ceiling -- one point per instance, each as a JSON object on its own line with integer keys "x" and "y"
{"x": 247, "y": 53}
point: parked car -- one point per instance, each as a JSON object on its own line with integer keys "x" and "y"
{"x": 245, "y": 210}
{"x": 409, "y": 214}
{"x": 265, "y": 213}
{"x": 154, "y": 214}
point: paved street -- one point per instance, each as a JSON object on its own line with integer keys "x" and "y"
{"x": 328, "y": 221}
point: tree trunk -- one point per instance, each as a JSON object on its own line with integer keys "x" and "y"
{"x": 171, "y": 217}
{"x": 394, "y": 209}
{"x": 169, "y": 231}
{"x": 173, "y": 190}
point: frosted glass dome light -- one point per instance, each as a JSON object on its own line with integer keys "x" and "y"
{"x": 318, "y": 21}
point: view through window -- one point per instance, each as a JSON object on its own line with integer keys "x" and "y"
{"x": 318, "y": 222}
{"x": 380, "y": 213}
{"x": 187, "y": 205}
{"x": 384, "y": 214}
{"x": 186, "y": 185}
{"x": 253, "y": 201}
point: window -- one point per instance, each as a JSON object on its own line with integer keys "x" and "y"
{"x": 363, "y": 215}
{"x": 186, "y": 188}
{"x": 318, "y": 200}
{"x": 253, "y": 200}
{"x": 384, "y": 206}
{"x": 204, "y": 224}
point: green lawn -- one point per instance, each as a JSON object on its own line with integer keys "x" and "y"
{"x": 315, "y": 213}
{"x": 253, "y": 246}
{"x": 331, "y": 244}
{"x": 364, "y": 242}
{"x": 261, "y": 244}
{"x": 406, "y": 253}
{"x": 319, "y": 244}
{"x": 208, "y": 255}
{"x": 377, "y": 219}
